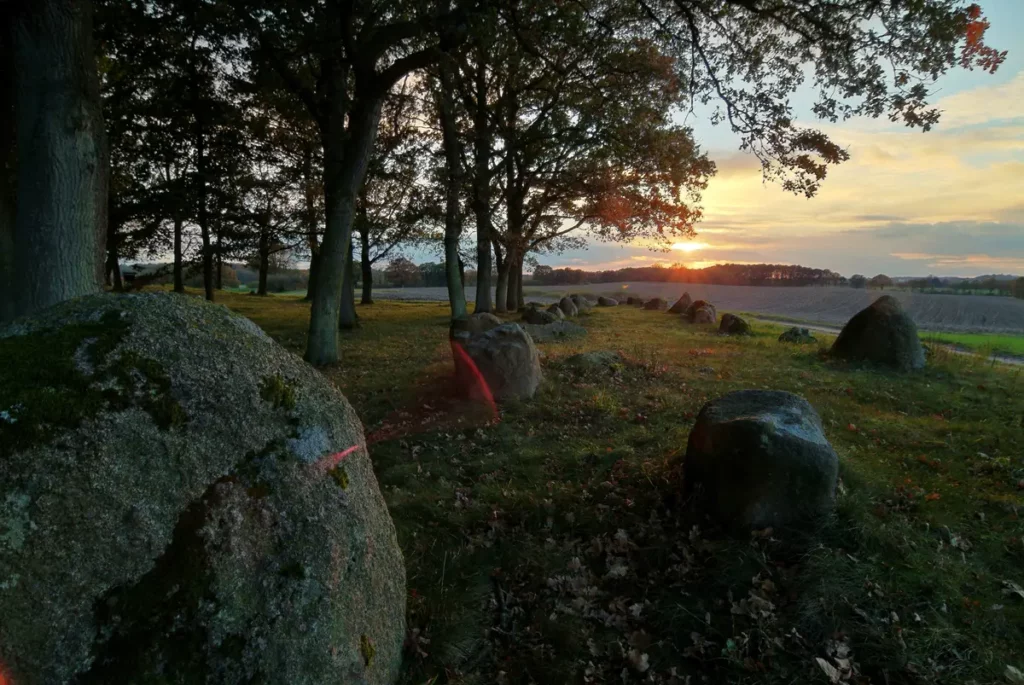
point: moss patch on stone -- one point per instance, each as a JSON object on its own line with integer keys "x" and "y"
{"x": 340, "y": 476}
{"x": 279, "y": 392}
{"x": 367, "y": 649}
{"x": 53, "y": 380}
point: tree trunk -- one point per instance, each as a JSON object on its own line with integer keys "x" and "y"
{"x": 113, "y": 270}
{"x": 513, "y": 282}
{"x": 345, "y": 162}
{"x": 520, "y": 302}
{"x": 454, "y": 269}
{"x": 347, "y": 317}
{"x": 179, "y": 277}
{"x": 482, "y": 189}
{"x": 220, "y": 264}
{"x": 501, "y": 288}
{"x": 264, "y": 260}
{"x": 60, "y": 224}
{"x": 314, "y": 267}
{"x": 204, "y": 221}
{"x": 310, "y": 218}
{"x": 367, "y": 266}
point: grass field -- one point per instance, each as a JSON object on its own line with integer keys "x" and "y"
{"x": 550, "y": 546}
{"x": 982, "y": 343}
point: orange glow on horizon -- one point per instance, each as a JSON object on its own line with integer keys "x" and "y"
{"x": 689, "y": 247}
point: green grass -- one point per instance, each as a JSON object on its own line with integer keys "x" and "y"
{"x": 982, "y": 343}
{"x": 551, "y": 546}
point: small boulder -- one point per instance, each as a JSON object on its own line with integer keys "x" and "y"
{"x": 798, "y": 336}
{"x": 556, "y": 310}
{"x": 568, "y": 307}
{"x": 506, "y": 358}
{"x": 655, "y": 304}
{"x": 475, "y": 323}
{"x": 582, "y": 303}
{"x": 681, "y": 305}
{"x": 559, "y": 330}
{"x": 883, "y": 334}
{"x": 700, "y": 311}
{"x": 602, "y": 361}
{"x": 635, "y": 301}
{"x": 759, "y": 458}
{"x": 607, "y": 302}
{"x": 538, "y": 316}
{"x": 734, "y": 325}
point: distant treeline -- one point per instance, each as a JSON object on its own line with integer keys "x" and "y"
{"x": 720, "y": 274}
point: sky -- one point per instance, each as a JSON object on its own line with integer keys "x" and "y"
{"x": 949, "y": 202}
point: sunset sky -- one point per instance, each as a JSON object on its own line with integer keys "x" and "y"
{"x": 947, "y": 202}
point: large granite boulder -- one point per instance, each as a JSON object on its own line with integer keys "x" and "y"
{"x": 505, "y": 358}
{"x": 759, "y": 458}
{"x": 681, "y": 305}
{"x": 734, "y": 325}
{"x": 656, "y": 304}
{"x": 184, "y": 500}
{"x": 635, "y": 301}
{"x": 475, "y": 323}
{"x": 556, "y": 310}
{"x": 538, "y": 316}
{"x": 607, "y": 302}
{"x": 797, "y": 336}
{"x": 701, "y": 311}
{"x": 883, "y": 334}
{"x": 568, "y": 307}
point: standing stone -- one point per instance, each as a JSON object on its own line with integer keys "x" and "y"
{"x": 883, "y": 334}
{"x": 681, "y": 305}
{"x": 556, "y": 309}
{"x": 701, "y": 311}
{"x": 568, "y": 307}
{"x": 582, "y": 304}
{"x": 507, "y": 360}
{"x": 184, "y": 500}
{"x": 538, "y": 316}
{"x": 759, "y": 458}
{"x": 734, "y": 325}
{"x": 476, "y": 323}
{"x": 655, "y": 304}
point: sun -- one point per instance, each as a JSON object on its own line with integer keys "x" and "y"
{"x": 689, "y": 247}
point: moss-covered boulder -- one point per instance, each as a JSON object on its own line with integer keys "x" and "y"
{"x": 505, "y": 358}
{"x": 568, "y": 307}
{"x": 882, "y": 333}
{"x": 733, "y": 325}
{"x": 681, "y": 305}
{"x": 184, "y": 501}
{"x": 656, "y": 304}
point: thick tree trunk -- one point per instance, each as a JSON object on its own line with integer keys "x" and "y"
{"x": 347, "y": 317}
{"x": 179, "y": 276}
{"x": 264, "y": 260}
{"x": 367, "y": 266}
{"x": 345, "y": 163}
{"x": 513, "y": 283}
{"x": 60, "y": 224}
{"x": 454, "y": 269}
{"x": 482, "y": 189}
